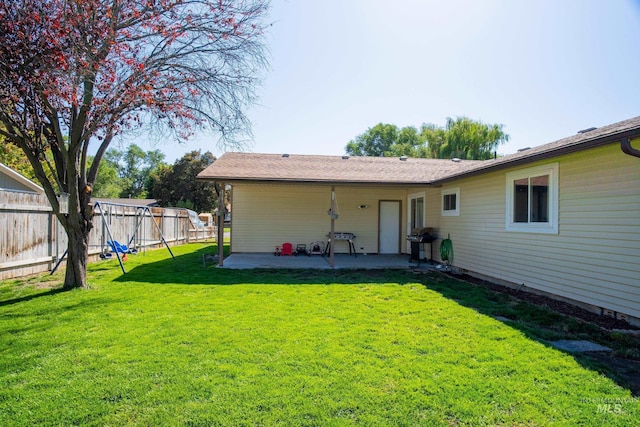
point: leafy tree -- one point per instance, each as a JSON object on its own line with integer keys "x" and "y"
{"x": 376, "y": 141}
{"x": 463, "y": 138}
{"x": 107, "y": 184}
{"x": 177, "y": 185}
{"x": 134, "y": 167}
{"x": 13, "y": 157}
{"x": 408, "y": 143}
{"x": 74, "y": 73}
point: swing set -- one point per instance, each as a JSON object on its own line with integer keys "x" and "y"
{"x": 107, "y": 211}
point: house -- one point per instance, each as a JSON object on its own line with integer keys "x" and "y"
{"x": 11, "y": 180}
{"x": 561, "y": 218}
{"x": 26, "y": 226}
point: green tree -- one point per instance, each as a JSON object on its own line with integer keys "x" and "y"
{"x": 408, "y": 143}
{"x": 75, "y": 74}
{"x": 13, "y": 157}
{"x": 108, "y": 184}
{"x": 463, "y": 138}
{"x": 376, "y": 141}
{"x": 134, "y": 166}
{"x": 177, "y": 185}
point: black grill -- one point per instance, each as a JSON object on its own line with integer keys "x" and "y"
{"x": 418, "y": 237}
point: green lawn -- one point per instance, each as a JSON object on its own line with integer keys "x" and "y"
{"x": 175, "y": 343}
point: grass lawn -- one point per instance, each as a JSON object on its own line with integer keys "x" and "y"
{"x": 175, "y": 343}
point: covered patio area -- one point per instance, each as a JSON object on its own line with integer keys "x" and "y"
{"x": 342, "y": 261}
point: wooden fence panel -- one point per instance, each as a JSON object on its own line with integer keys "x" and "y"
{"x": 26, "y": 234}
{"x": 32, "y": 240}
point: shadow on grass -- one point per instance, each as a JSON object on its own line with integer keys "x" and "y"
{"x": 32, "y": 296}
{"x": 188, "y": 269}
{"x": 543, "y": 324}
{"x": 538, "y": 323}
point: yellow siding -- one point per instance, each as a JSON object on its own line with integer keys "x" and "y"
{"x": 266, "y": 215}
{"x": 594, "y": 258}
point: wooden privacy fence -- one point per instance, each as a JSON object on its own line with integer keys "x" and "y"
{"x": 32, "y": 240}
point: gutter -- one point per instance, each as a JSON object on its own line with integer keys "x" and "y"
{"x": 623, "y": 137}
{"x": 625, "y": 146}
{"x": 231, "y": 180}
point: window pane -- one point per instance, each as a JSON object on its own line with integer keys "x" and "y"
{"x": 532, "y": 200}
{"x": 417, "y": 212}
{"x": 449, "y": 202}
{"x": 521, "y": 200}
{"x": 540, "y": 199}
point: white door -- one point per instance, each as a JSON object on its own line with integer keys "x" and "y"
{"x": 389, "y": 227}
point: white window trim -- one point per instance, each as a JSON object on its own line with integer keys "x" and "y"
{"x": 451, "y": 212}
{"x": 550, "y": 227}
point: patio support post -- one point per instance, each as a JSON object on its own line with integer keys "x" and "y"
{"x": 221, "y": 224}
{"x": 333, "y": 224}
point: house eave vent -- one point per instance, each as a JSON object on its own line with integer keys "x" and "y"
{"x": 587, "y": 130}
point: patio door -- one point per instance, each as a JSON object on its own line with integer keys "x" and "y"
{"x": 389, "y": 226}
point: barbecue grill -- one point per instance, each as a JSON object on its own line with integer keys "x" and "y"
{"x": 418, "y": 237}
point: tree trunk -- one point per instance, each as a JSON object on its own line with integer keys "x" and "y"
{"x": 77, "y": 258}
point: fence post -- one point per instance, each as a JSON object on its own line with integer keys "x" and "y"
{"x": 50, "y": 241}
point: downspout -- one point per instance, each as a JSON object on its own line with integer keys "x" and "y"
{"x": 625, "y": 146}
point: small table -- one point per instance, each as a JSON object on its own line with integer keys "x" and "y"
{"x": 348, "y": 237}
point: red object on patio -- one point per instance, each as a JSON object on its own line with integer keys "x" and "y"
{"x": 287, "y": 249}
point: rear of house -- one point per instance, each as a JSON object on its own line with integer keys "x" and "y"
{"x": 587, "y": 249}
{"x": 269, "y": 214}
{"x": 562, "y": 218}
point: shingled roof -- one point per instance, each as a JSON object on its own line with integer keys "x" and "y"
{"x": 393, "y": 170}
{"x": 330, "y": 169}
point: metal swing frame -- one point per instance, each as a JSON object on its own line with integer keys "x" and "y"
{"x": 141, "y": 213}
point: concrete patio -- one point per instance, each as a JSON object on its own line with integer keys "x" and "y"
{"x": 342, "y": 261}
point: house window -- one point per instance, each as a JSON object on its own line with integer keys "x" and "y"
{"x": 451, "y": 202}
{"x": 416, "y": 210}
{"x": 532, "y": 200}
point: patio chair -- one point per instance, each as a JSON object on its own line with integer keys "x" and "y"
{"x": 287, "y": 249}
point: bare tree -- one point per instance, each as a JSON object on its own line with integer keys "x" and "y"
{"x": 77, "y": 73}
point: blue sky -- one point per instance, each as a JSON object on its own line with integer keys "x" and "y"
{"x": 543, "y": 69}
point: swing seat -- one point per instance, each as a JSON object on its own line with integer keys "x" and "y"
{"x": 117, "y": 247}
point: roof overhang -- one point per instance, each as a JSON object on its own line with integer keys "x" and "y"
{"x": 232, "y": 180}
{"x": 21, "y": 179}
{"x": 545, "y": 155}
